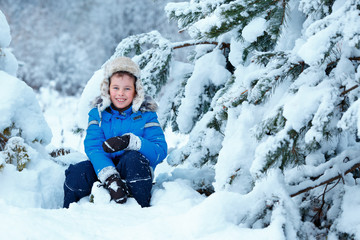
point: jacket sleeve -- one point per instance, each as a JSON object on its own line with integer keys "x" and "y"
{"x": 101, "y": 161}
{"x": 153, "y": 144}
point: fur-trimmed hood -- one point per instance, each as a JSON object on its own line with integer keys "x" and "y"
{"x": 140, "y": 101}
{"x": 148, "y": 105}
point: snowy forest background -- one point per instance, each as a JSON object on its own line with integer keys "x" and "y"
{"x": 258, "y": 99}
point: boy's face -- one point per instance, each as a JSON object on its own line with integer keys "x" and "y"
{"x": 122, "y": 90}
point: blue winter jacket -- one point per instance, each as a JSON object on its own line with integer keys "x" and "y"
{"x": 112, "y": 123}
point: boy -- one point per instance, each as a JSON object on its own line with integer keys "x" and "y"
{"x": 124, "y": 140}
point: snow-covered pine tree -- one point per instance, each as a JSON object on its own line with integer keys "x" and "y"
{"x": 292, "y": 101}
{"x": 229, "y": 31}
{"x": 21, "y": 119}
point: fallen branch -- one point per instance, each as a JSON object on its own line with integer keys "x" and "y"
{"x": 354, "y": 167}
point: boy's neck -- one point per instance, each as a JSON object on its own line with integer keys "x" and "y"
{"x": 120, "y": 109}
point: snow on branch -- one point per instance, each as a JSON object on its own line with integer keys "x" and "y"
{"x": 331, "y": 173}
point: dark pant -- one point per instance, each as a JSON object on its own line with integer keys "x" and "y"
{"x": 132, "y": 166}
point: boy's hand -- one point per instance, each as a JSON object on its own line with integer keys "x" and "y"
{"x": 134, "y": 142}
{"x": 115, "y": 144}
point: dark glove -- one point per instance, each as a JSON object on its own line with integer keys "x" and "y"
{"x": 117, "y": 188}
{"x": 115, "y": 144}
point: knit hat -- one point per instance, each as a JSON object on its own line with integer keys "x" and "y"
{"x": 116, "y": 65}
{"x": 121, "y": 64}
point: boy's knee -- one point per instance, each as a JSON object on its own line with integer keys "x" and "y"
{"x": 134, "y": 159}
{"x": 80, "y": 177}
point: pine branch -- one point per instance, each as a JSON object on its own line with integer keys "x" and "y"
{"x": 283, "y": 5}
{"x": 327, "y": 181}
{"x": 354, "y": 59}
{"x": 223, "y": 45}
{"x": 350, "y": 89}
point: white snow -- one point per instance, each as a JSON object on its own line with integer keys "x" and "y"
{"x": 90, "y": 92}
{"x": 5, "y": 36}
{"x": 233, "y": 146}
{"x": 20, "y": 108}
{"x": 254, "y": 29}
{"x": 322, "y": 33}
{"x": 8, "y": 62}
{"x": 209, "y": 69}
{"x": 298, "y": 115}
{"x": 349, "y": 220}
